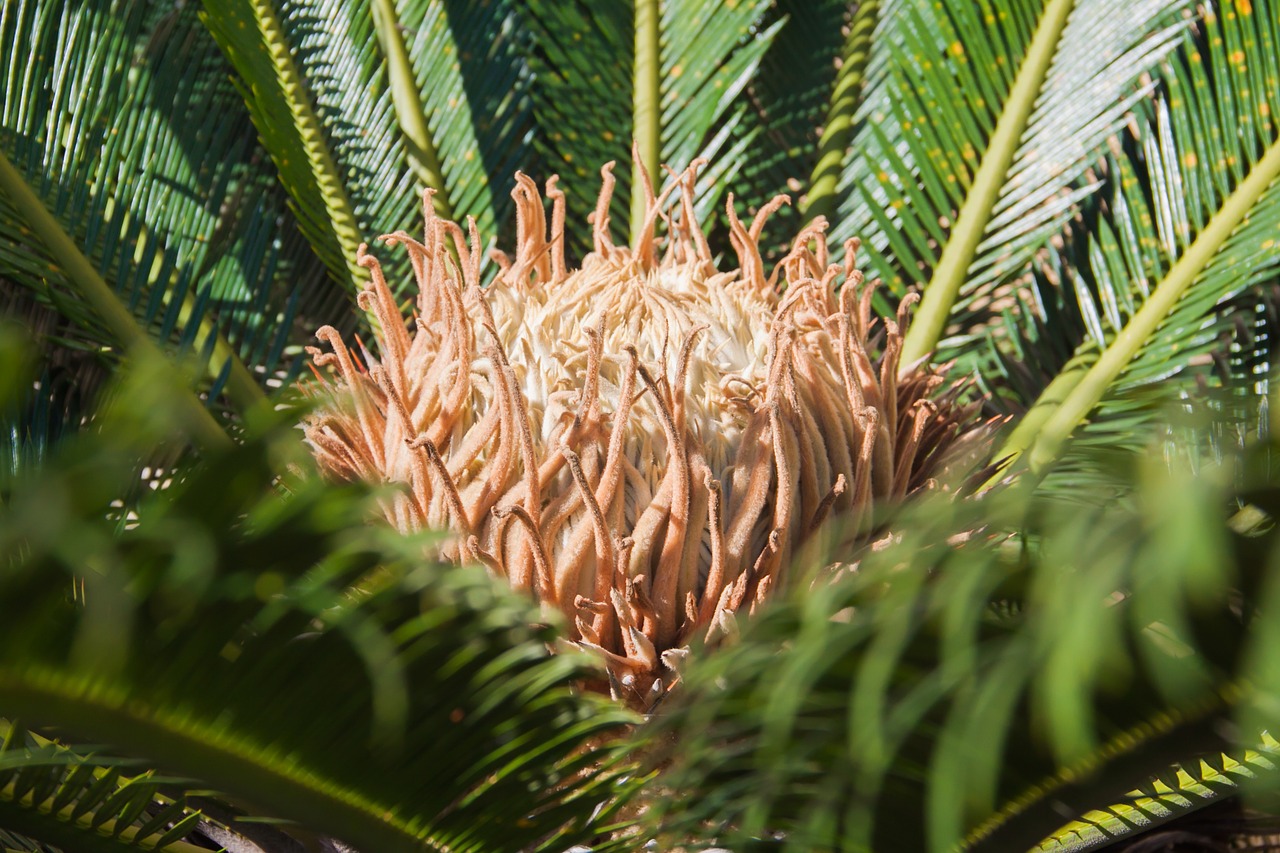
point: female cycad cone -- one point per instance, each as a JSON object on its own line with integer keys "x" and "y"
{"x": 641, "y": 444}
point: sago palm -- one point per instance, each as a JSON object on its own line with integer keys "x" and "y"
{"x": 1080, "y": 193}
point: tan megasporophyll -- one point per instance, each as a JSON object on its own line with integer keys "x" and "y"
{"x": 641, "y": 444}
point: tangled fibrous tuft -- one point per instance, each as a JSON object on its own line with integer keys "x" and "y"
{"x": 641, "y": 444}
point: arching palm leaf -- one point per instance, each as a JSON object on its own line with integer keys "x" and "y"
{"x": 125, "y": 205}
{"x": 1191, "y": 225}
{"x": 284, "y": 652}
{"x": 311, "y": 75}
{"x": 970, "y": 145}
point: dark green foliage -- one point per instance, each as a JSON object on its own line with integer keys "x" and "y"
{"x": 278, "y": 647}
{"x": 996, "y": 666}
{"x": 121, "y": 120}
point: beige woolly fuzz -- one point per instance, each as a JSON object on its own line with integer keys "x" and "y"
{"x": 641, "y": 444}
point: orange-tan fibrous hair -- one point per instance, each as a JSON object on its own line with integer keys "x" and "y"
{"x": 643, "y": 443}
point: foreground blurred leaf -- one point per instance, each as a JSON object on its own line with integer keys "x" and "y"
{"x": 283, "y": 650}
{"x": 991, "y": 668}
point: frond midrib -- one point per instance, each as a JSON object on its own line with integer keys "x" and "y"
{"x": 957, "y": 257}
{"x": 1073, "y": 394}
{"x": 424, "y": 157}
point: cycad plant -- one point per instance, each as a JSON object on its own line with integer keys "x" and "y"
{"x": 1080, "y": 192}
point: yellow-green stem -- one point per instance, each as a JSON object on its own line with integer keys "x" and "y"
{"x": 423, "y": 156}
{"x": 1043, "y": 445}
{"x": 940, "y": 294}
{"x": 837, "y": 131}
{"x": 646, "y": 103}
{"x": 338, "y": 209}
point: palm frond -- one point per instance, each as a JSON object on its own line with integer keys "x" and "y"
{"x": 311, "y": 75}
{"x": 1186, "y": 785}
{"x": 80, "y": 800}
{"x": 582, "y": 59}
{"x": 991, "y": 668}
{"x": 1191, "y": 226}
{"x": 476, "y": 97}
{"x": 283, "y": 651}
{"x": 842, "y": 104}
{"x": 124, "y": 206}
{"x": 972, "y": 140}
{"x": 677, "y": 96}
{"x": 710, "y": 52}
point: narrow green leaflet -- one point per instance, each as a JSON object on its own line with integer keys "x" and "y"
{"x": 125, "y": 205}
{"x": 1196, "y": 223}
{"x": 281, "y": 650}
{"x": 83, "y": 801}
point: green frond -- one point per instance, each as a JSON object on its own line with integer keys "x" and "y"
{"x": 591, "y": 87}
{"x": 412, "y": 118}
{"x": 1185, "y": 787}
{"x": 82, "y": 276}
{"x": 279, "y": 97}
{"x": 805, "y": 103}
{"x": 846, "y": 95}
{"x": 973, "y": 139}
{"x": 582, "y": 57}
{"x": 710, "y": 52}
{"x": 123, "y": 205}
{"x": 353, "y": 162}
{"x": 471, "y": 67}
{"x": 87, "y": 802}
{"x": 991, "y": 668}
{"x": 1193, "y": 221}
{"x": 285, "y": 652}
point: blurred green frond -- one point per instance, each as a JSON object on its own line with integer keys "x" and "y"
{"x": 990, "y": 669}
{"x": 280, "y": 649}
